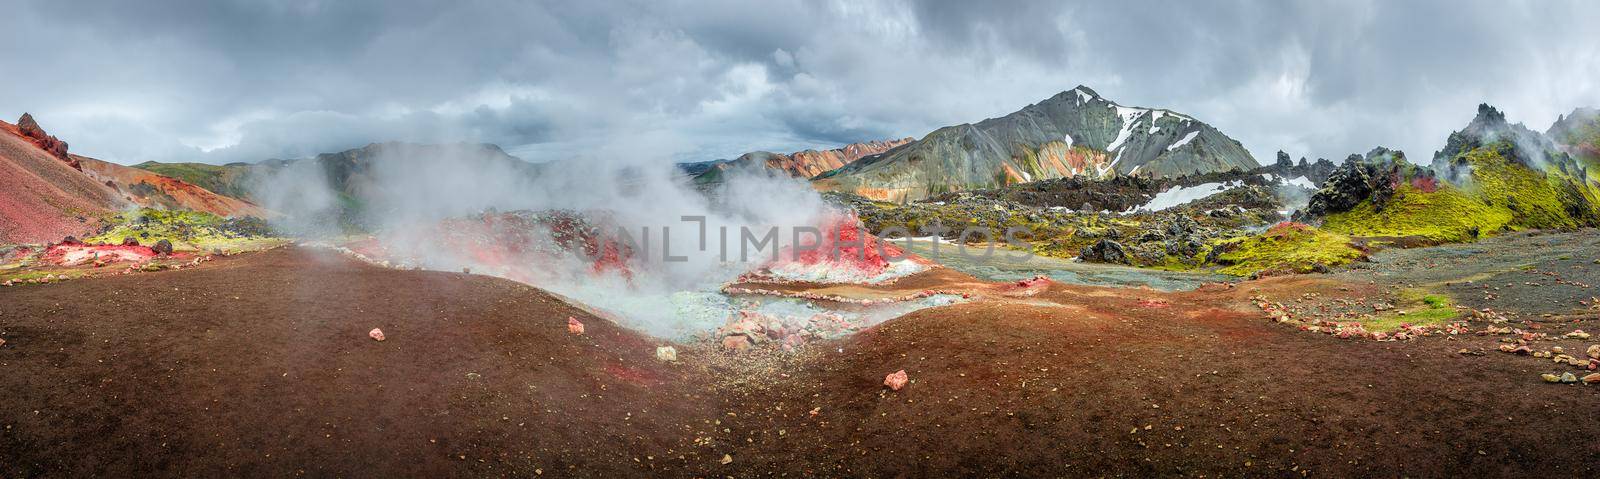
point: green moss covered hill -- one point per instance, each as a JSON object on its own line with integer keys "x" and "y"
{"x": 1492, "y": 176}
{"x": 1578, "y": 134}
{"x": 229, "y": 180}
{"x": 1286, "y": 248}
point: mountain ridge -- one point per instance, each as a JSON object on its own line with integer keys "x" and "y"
{"x": 1076, "y": 132}
{"x": 808, "y": 163}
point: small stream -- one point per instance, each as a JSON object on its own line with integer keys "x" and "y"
{"x": 1005, "y": 264}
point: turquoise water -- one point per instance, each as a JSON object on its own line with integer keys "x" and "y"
{"x": 1012, "y": 265}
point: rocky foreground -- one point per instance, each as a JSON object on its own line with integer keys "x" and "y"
{"x": 266, "y": 364}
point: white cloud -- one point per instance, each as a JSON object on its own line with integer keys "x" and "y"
{"x": 687, "y": 80}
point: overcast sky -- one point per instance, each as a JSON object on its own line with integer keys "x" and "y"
{"x": 220, "y": 81}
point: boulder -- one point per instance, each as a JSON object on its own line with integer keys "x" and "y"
{"x": 1345, "y": 188}
{"x": 162, "y": 247}
{"x": 130, "y": 241}
{"x": 376, "y": 334}
{"x": 574, "y": 326}
{"x": 28, "y": 126}
{"x": 1105, "y": 251}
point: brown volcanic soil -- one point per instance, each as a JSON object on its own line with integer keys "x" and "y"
{"x": 259, "y": 365}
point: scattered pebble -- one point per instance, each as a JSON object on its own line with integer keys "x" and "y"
{"x": 895, "y": 380}
{"x": 727, "y": 459}
{"x": 1564, "y": 378}
{"x": 376, "y": 333}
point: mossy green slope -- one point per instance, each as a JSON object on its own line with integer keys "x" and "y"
{"x": 1498, "y": 195}
{"x": 1287, "y": 247}
{"x": 1534, "y": 198}
{"x": 1445, "y": 215}
{"x": 229, "y": 180}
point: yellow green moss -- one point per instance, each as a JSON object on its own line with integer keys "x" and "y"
{"x": 1445, "y": 215}
{"x": 1529, "y": 194}
{"x": 1290, "y": 247}
{"x": 1421, "y": 309}
{"x": 187, "y": 231}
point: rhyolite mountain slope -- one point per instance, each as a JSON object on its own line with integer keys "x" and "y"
{"x": 347, "y": 172}
{"x": 1074, "y": 133}
{"x": 232, "y": 179}
{"x": 800, "y": 164}
{"x": 47, "y": 193}
{"x": 43, "y": 194}
{"x": 359, "y": 179}
{"x": 149, "y": 189}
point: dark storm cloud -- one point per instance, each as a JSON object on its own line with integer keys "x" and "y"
{"x": 235, "y": 80}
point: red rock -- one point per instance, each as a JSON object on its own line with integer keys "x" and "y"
{"x": 50, "y": 144}
{"x": 574, "y": 326}
{"x": 376, "y": 333}
{"x": 895, "y": 380}
{"x": 736, "y": 342}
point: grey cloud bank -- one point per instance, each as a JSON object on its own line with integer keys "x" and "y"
{"x": 244, "y": 81}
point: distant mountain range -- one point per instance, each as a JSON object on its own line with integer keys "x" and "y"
{"x": 1074, "y": 133}
{"x": 800, "y": 164}
{"x": 1491, "y": 175}
{"x": 348, "y": 172}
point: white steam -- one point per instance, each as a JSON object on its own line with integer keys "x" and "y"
{"x": 405, "y": 191}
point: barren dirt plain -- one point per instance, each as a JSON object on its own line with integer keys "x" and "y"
{"x": 260, "y": 364}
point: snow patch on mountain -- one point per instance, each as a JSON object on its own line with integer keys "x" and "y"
{"x": 1184, "y": 141}
{"x": 1182, "y": 195}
